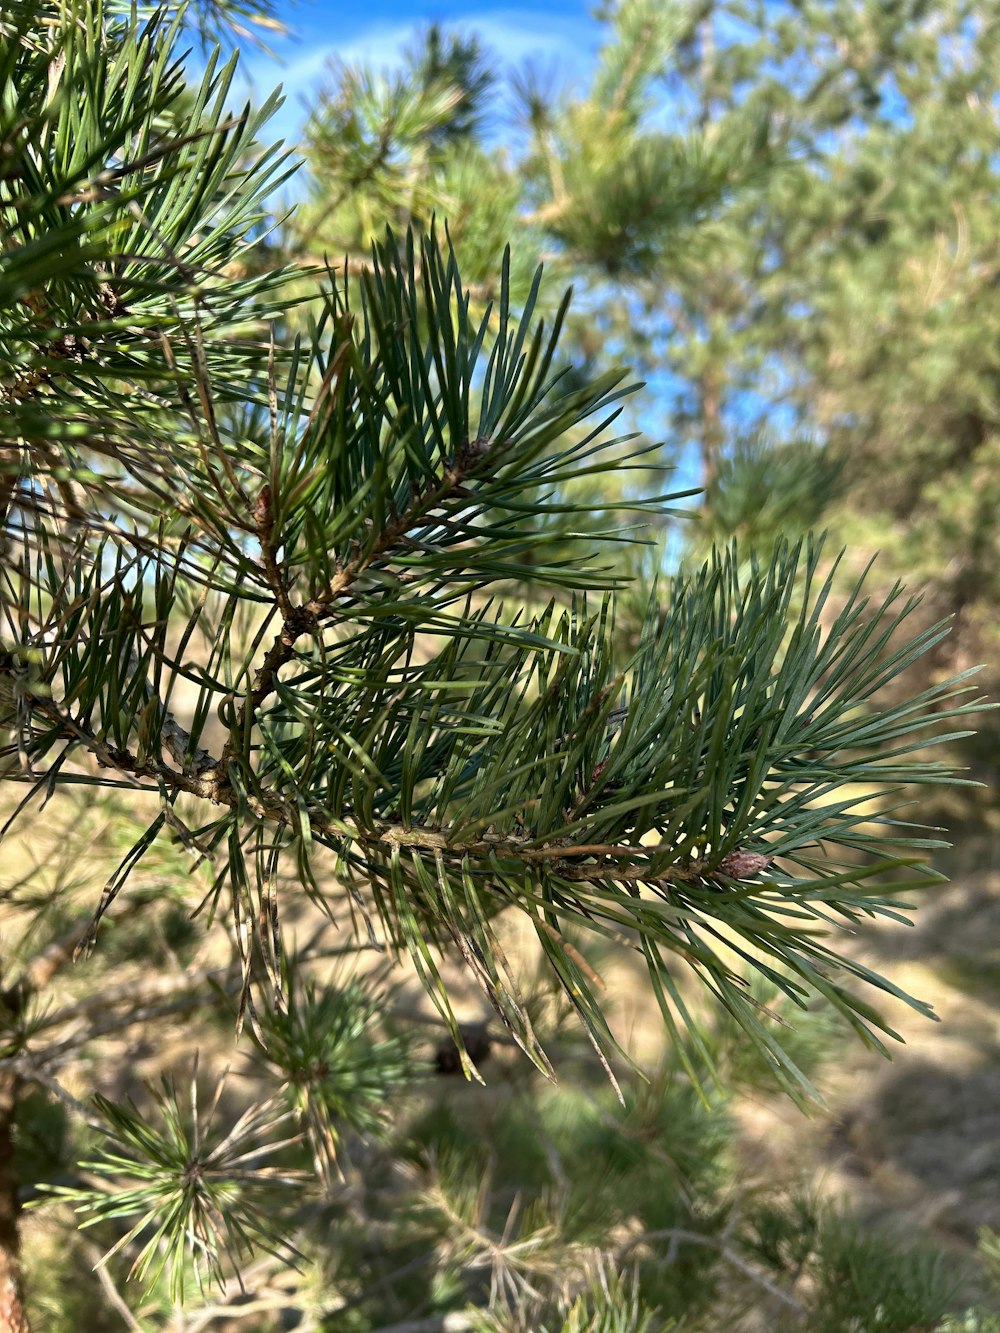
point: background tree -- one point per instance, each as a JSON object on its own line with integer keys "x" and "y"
{"x": 252, "y": 584}
{"x": 836, "y": 290}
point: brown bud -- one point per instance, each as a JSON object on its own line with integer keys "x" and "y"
{"x": 743, "y": 865}
{"x": 262, "y": 508}
{"x": 473, "y": 452}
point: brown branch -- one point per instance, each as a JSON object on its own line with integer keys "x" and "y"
{"x": 300, "y": 620}
{"x": 29, "y": 1071}
{"x": 53, "y": 958}
{"x": 564, "y": 857}
{"x": 585, "y": 862}
{"x": 13, "y": 1316}
{"x": 133, "y": 995}
{"x": 265, "y": 682}
{"x": 122, "y": 760}
{"x": 24, "y": 385}
{"x": 8, "y": 485}
{"x": 111, "y": 1292}
{"x": 69, "y": 1049}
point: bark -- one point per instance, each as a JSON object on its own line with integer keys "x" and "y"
{"x": 712, "y": 432}
{"x": 13, "y": 1317}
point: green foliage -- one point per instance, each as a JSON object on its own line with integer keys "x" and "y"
{"x": 443, "y": 59}
{"x": 188, "y": 1188}
{"x": 989, "y": 1243}
{"x": 399, "y": 149}
{"x": 372, "y": 136}
{"x": 844, "y": 294}
{"x": 810, "y": 1035}
{"x": 763, "y": 491}
{"x": 211, "y": 21}
{"x": 324, "y": 579}
{"x": 838, "y": 288}
{"x": 972, "y": 1321}
{"x": 870, "y": 1284}
{"x": 339, "y": 1075}
{"x": 62, "y": 1296}
{"x": 864, "y": 1278}
{"x": 572, "y": 1211}
{"x": 612, "y": 1305}
{"x": 45, "y": 1140}
{"x": 521, "y": 763}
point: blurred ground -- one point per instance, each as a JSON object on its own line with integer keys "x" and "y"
{"x": 924, "y": 1131}
{"x": 915, "y": 1139}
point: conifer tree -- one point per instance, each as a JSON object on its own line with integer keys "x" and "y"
{"x": 310, "y": 610}
{"x": 824, "y": 338}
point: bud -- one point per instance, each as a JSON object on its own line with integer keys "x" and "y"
{"x": 742, "y": 865}
{"x": 262, "y": 514}
{"x": 472, "y": 452}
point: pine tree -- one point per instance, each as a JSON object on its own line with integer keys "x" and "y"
{"x": 824, "y": 340}
{"x": 310, "y": 611}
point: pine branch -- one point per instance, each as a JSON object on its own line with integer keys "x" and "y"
{"x": 414, "y": 460}
{"x": 604, "y": 861}
{"x": 307, "y": 619}
{"x": 548, "y": 804}
{"x": 111, "y": 1292}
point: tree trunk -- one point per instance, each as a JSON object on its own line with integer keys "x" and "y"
{"x": 13, "y": 1318}
{"x": 712, "y": 432}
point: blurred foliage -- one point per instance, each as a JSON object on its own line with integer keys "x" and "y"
{"x": 786, "y": 214}
{"x": 336, "y": 1075}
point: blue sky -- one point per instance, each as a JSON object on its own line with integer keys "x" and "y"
{"x": 563, "y": 34}
{"x": 563, "y": 38}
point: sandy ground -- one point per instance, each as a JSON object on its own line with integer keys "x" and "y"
{"x": 918, "y": 1136}
{"x": 915, "y": 1139}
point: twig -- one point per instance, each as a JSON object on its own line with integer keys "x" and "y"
{"x": 29, "y": 1071}
{"x": 111, "y": 1292}
{"x": 580, "y": 861}
{"x": 389, "y": 1280}
{"x": 135, "y": 997}
{"x": 305, "y": 619}
{"x": 208, "y": 1314}
{"x": 679, "y": 1236}
{"x": 144, "y": 1014}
